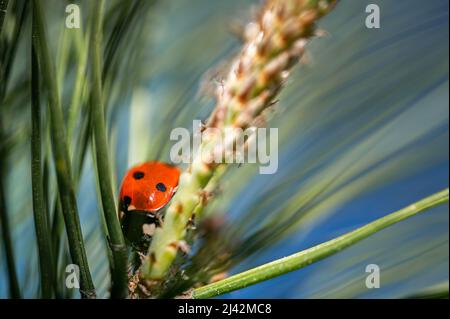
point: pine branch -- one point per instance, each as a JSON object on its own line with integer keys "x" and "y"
{"x": 61, "y": 155}
{"x": 46, "y": 261}
{"x": 117, "y": 242}
{"x": 274, "y": 44}
{"x": 304, "y": 258}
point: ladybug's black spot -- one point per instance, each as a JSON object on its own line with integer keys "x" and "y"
{"x": 161, "y": 187}
{"x": 138, "y": 175}
{"x": 127, "y": 200}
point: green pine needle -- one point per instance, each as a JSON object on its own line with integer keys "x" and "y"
{"x": 304, "y": 258}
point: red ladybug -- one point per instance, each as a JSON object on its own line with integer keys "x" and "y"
{"x": 146, "y": 188}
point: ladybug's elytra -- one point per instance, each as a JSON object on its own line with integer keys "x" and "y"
{"x": 146, "y": 188}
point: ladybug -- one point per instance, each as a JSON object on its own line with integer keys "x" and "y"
{"x": 146, "y": 189}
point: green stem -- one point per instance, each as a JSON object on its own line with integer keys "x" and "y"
{"x": 6, "y": 65}
{"x": 76, "y": 152}
{"x": 3, "y": 7}
{"x": 61, "y": 156}
{"x": 117, "y": 242}
{"x": 439, "y": 291}
{"x": 40, "y": 216}
{"x": 316, "y": 253}
{"x": 80, "y": 84}
{"x": 63, "y": 54}
{"x": 14, "y": 288}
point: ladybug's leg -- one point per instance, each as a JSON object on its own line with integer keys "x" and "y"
{"x": 148, "y": 229}
{"x": 158, "y": 220}
{"x": 141, "y": 256}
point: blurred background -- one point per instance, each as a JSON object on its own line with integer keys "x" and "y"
{"x": 363, "y": 131}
